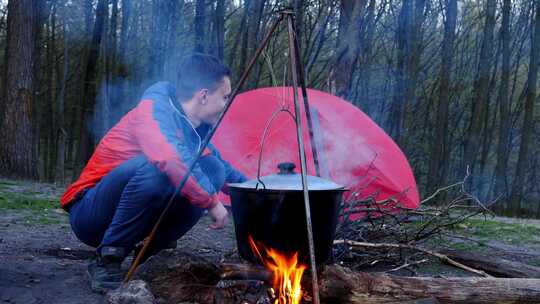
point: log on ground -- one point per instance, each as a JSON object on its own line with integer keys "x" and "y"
{"x": 498, "y": 267}
{"x": 341, "y": 285}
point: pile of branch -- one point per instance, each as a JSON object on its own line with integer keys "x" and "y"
{"x": 396, "y": 237}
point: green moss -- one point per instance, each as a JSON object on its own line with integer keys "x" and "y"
{"x": 9, "y": 200}
{"x": 40, "y": 209}
{"x": 534, "y": 262}
{"x": 4, "y": 187}
{"x": 486, "y": 230}
{"x": 7, "y": 183}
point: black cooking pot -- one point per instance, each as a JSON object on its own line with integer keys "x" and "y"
{"x": 271, "y": 210}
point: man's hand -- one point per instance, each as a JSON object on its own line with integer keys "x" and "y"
{"x": 219, "y": 214}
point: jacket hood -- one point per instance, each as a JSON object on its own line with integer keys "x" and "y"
{"x": 160, "y": 92}
{"x": 163, "y": 91}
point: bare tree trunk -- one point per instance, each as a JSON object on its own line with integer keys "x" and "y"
{"x": 122, "y": 67}
{"x": 61, "y": 132}
{"x": 347, "y": 48}
{"x": 176, "y": 8}
{"x": 245, "y": 32}
{"x": 17, "y": 158}
{"x": 364, "y": 69}
{"x": 104, "y": 80}
{"x": 527, "y": 139}
{"x": 409, "y": 40}
{"x": 76, "y": 125}
{"x": 319, "y": 41}
{"x": 397, "y": 109}
{"x": 254, "y": 18}
{"x": 238, "y": 42}
{"x": 160, "y": 19}
{"x": 113, "y": 47}
{"x": 298, "y": 8}
{"x": 111, "y": 100}
{"x": 52, "y": 125}
{"x": 44, "y": 132}
{"x": 200, "y": 21}
{"x": 87, "y": 140}
{"x": 439, "y": 156}
{"x": 40, "y": 98}
{"x": 480, "y": 101}
{"x": 134, "y": 34}
{"x": 219, "y": 29}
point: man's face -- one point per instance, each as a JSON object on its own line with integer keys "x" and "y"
{"x": 214, "y": 102}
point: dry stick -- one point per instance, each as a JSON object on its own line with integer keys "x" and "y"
{"x": 408, "y": 265}
{"x": 468, "y": 196}
{"x": 465, "y": 196}
{"x": 439, "y": 191}
{"x": 426, "y": 229}
{"x": 403, "y": 246}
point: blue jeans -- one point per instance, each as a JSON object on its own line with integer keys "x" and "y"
{"x": 122, "y": 209}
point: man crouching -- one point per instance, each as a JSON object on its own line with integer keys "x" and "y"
{"x": 138, "y": 164}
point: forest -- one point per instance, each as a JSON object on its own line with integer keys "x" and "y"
{"x": 453, "y": 82}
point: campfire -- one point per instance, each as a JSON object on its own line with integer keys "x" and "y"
{"x": 179, "y": 277}
{"x": 287, "y": 273}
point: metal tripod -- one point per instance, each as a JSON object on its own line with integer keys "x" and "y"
{"x": 298, "y": 78}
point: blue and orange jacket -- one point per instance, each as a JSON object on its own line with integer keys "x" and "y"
{"x": 160, "y": 130}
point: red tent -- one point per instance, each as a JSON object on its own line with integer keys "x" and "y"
{"x": 353, "y": 150}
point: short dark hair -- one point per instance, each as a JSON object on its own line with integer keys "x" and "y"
{"x": 198, "y": 71}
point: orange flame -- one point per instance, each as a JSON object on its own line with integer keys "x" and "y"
{"x": 286, "y": 270}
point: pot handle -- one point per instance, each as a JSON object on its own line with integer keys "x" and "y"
{"x": 265, "y": 134}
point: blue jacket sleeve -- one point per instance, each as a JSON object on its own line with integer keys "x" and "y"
{"x": 232, "y": 175}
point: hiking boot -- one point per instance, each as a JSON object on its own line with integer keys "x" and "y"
{"x": 105, "y": 270}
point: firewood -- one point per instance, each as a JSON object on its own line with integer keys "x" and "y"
{"x": 495, "y": 266}
{"x": 341, "y": 285}
{"x": 245, "y": 272}
{"x": 180, "y": 277}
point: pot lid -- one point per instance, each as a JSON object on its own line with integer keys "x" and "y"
{"x": 287, "y": 179}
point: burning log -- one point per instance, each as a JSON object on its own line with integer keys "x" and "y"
{"x": 245, "y": 272}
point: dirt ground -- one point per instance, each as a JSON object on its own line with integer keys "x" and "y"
{"x": 41, "y": 261}
{"x": 45, "y": 263}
